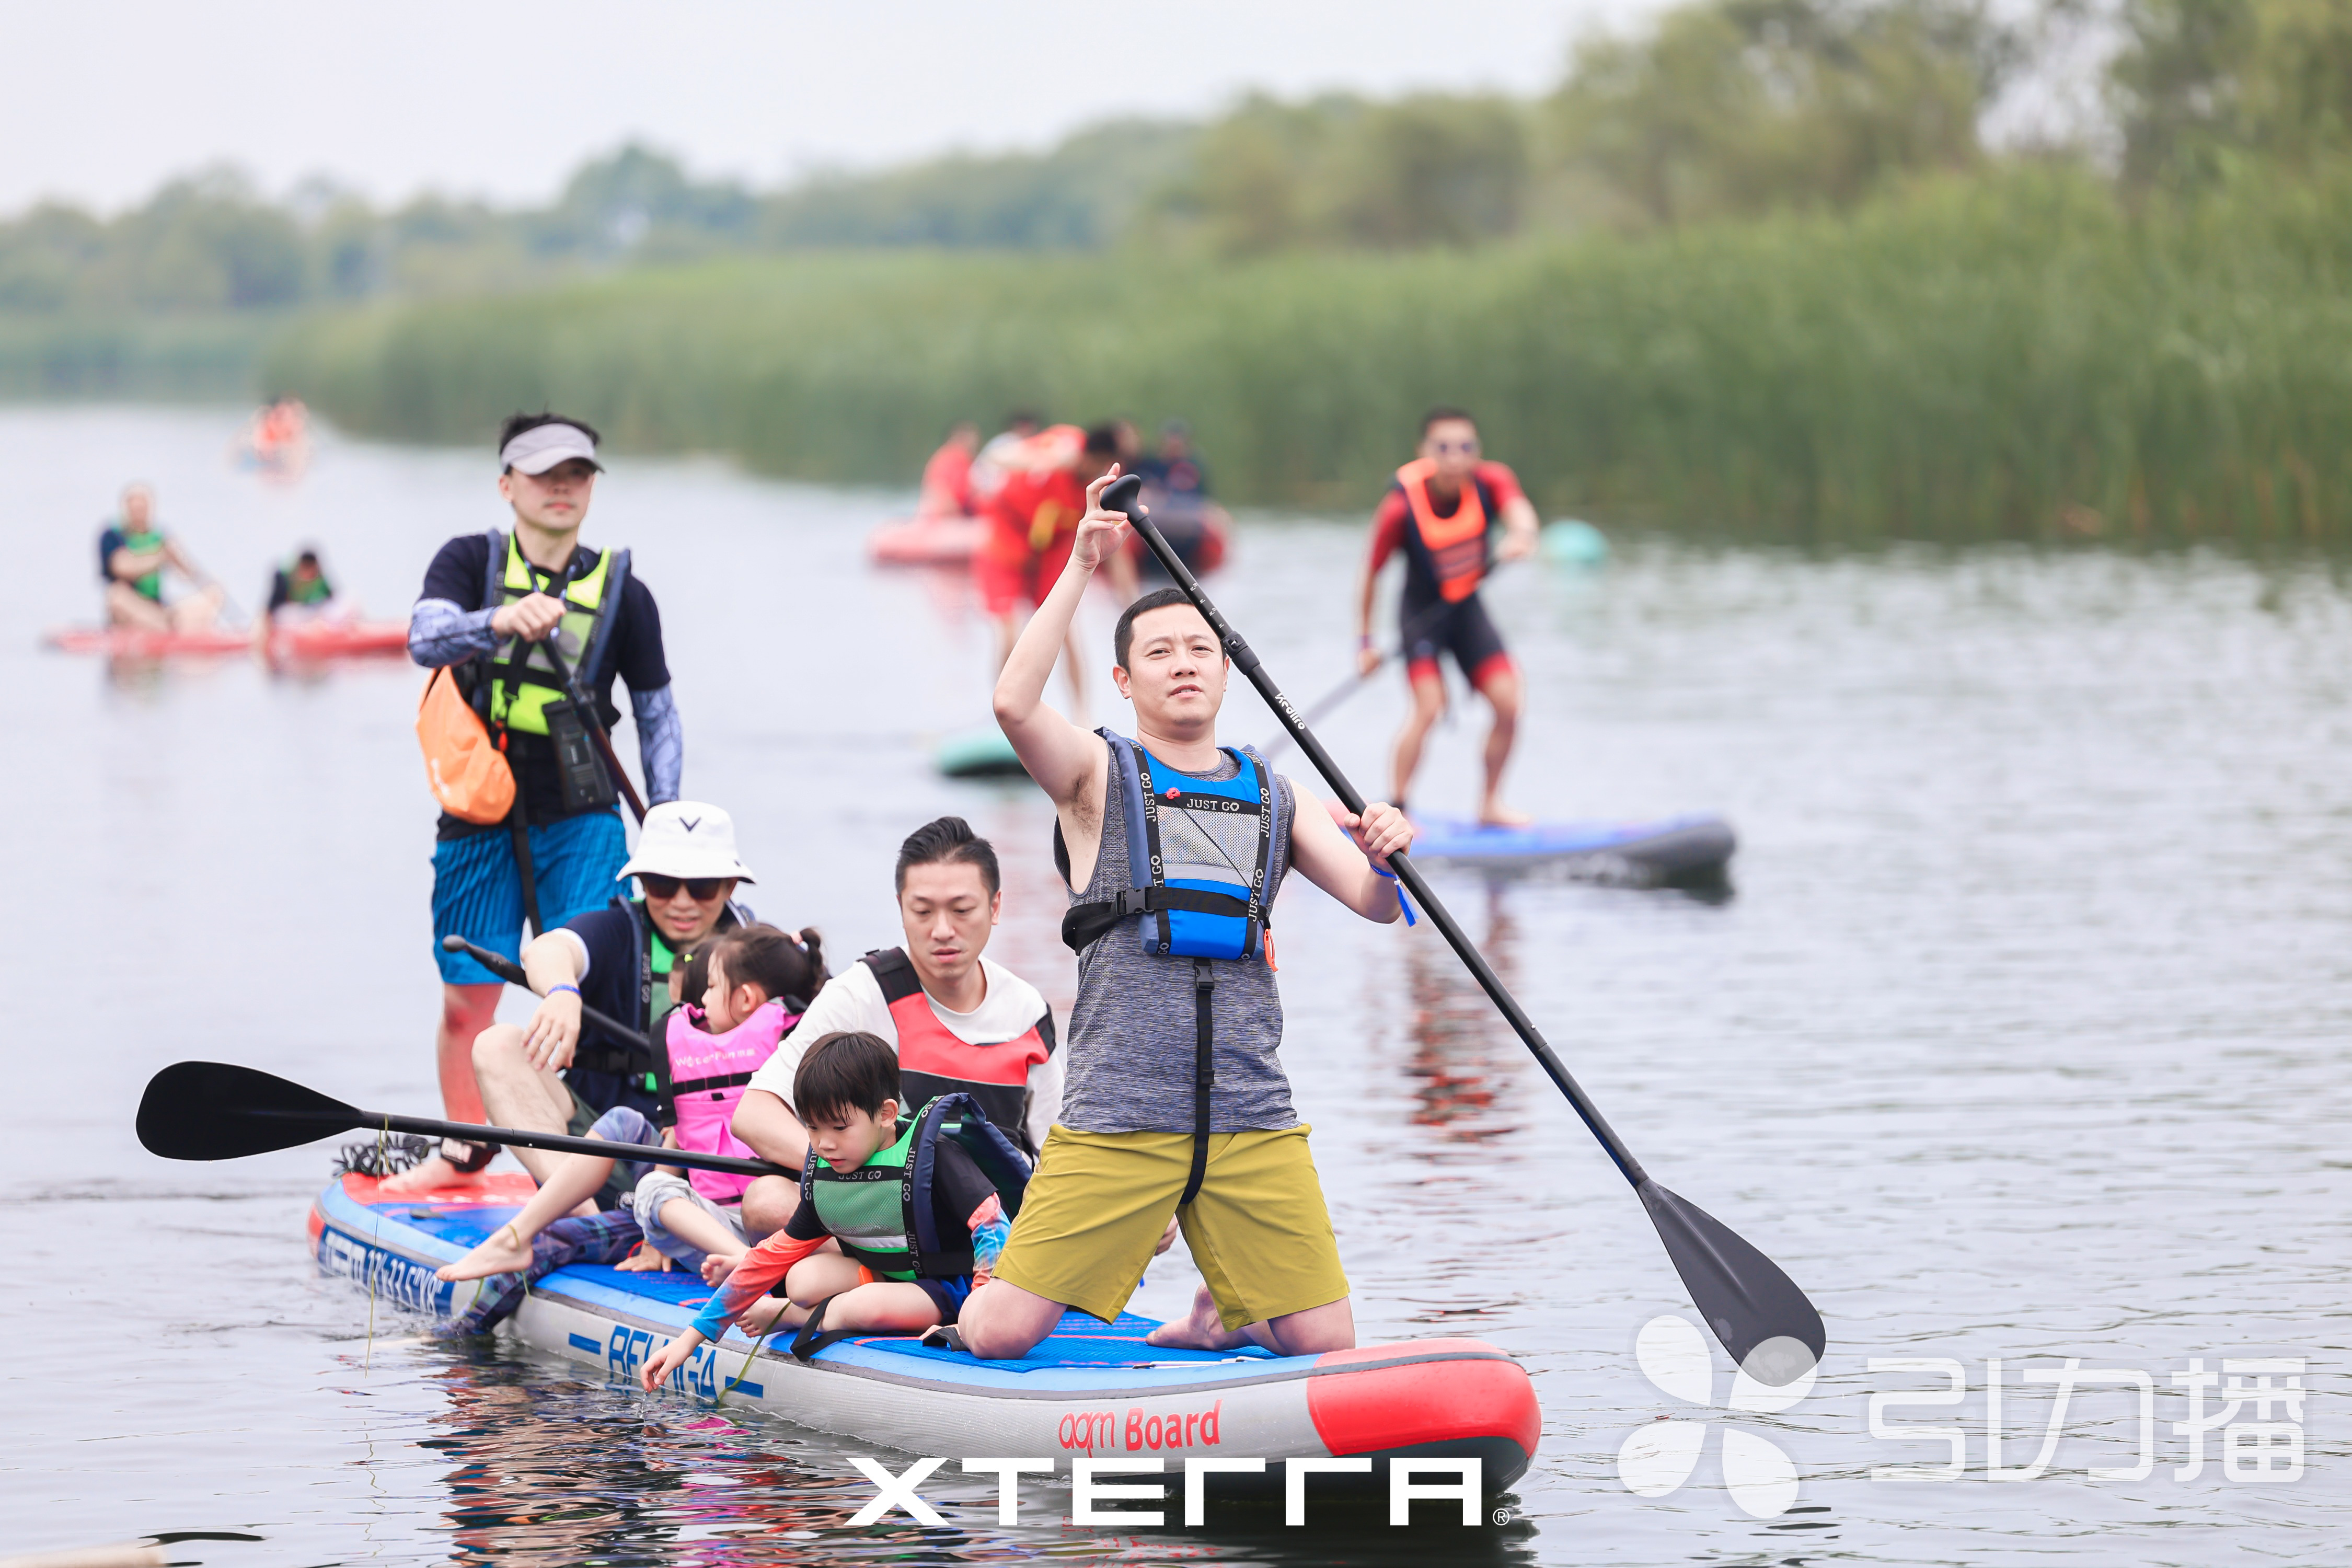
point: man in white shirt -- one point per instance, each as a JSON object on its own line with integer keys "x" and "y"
{"x": 960, "y": 1022}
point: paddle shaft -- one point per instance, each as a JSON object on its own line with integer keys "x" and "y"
{"x": 554, "y": 1143}
{"x": 590, "y": 721}
{"x": 1246, "y": 659}
{"x": 508, "y": 970}
{"x": 1347, "y": 689}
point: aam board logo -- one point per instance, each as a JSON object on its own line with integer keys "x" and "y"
{"x": 1659, "y": 1457}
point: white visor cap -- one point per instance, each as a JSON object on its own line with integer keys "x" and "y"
{"x": 542, "y": 447}
{"x": 687, "y": 838}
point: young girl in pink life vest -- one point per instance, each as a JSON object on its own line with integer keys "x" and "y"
{"x": 755, "y": 981}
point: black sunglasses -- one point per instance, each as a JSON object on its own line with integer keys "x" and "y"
{"x": 701, "y": 890}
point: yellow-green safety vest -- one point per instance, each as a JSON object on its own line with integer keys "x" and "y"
{"x": 524, "y": 684}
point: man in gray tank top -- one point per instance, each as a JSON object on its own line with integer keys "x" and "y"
{"x": 1174, "y": 1100}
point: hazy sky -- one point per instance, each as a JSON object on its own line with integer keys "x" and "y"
{"x": 101, "y": 100}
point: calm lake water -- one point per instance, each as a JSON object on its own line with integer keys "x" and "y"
{"x": 2024, "y": 1037}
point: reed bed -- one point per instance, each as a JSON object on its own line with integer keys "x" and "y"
{"x": 2012, "y": 356}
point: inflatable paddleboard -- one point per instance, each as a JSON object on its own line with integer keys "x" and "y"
{"x": 982, "y": 753}
{"x": 1678, "y": 849}
{"x": 123, "y": 642}
{"x": 339, "y": 639}
{"x": 1090, "y": 1390}
{"x": 926, "y": 542}
{"x": 310, "y": 640}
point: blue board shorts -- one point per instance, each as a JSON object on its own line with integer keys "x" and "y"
{"x": 477, "y": 891}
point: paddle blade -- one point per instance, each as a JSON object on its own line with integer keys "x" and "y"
{"x": 1762, "y": 1318}
{"x": 214, "y": 1110}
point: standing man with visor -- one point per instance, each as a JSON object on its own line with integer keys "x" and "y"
{"x": 535, "y": 627}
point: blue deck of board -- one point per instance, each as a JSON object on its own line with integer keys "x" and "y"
{"x": 1081, "y": 1354}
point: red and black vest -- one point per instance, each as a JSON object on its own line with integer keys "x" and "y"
{"x": 1452, "y": 550}
{"x": 933, "y": 1059}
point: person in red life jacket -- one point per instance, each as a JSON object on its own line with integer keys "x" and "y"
{"x": 958, "y": 1020}
{"x": 947, "y": 478}
{"x": 903, "y": 1219}
{"x": 1032, "y": 520}
{"x": 755, "y": 982}
{"x": 1441, "y": 513}
{"x": 989, "y": 469}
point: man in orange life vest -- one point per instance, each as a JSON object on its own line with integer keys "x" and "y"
{"x": 1440, "y": 511}
{"x": 1032, "y": 520}
{"x": 959, "y": 1022}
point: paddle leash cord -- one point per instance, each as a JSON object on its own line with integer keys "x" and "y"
{"x": 742, "y": 1370}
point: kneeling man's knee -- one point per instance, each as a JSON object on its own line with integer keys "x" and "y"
{"x": 498, "y": 1045}
{"x": 768, "y": 1203}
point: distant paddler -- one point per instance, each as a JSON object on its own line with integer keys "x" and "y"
{"x": 947, "y": 478}
{"x": 1032, "y": 519}
{"x": 132, "y": 556}
{"x": 277, "y": 438}
{"x": 1442, "y": 509}
{"x": 300, "y": 591}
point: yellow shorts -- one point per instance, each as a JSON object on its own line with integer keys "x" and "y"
{"x": 1098, "y": 1201}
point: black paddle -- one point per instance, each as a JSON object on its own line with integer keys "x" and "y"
{"x": 508, "y": 970}
{"x": 215, "y": 1111}
{"x": 1762, "y": 1318}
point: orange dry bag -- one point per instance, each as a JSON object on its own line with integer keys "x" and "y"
{"x": 469, "y": 776}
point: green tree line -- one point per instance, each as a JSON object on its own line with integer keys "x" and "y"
{"x": 1754, "y": 267}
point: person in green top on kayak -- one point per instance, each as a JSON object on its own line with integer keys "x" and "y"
{"x": 133, "y": 555}
{"x": 300, "y": 590}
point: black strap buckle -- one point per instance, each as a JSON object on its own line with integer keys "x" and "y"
{"x": 1134, "y": 902}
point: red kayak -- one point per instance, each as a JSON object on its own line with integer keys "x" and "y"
{"x": 339, "y": 639}
{"x": 323, "y": 639}
{"x": 123, "y": 642}
{"x": 927, "y": 540}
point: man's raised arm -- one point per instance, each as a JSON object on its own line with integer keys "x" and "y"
{"x": 1060, "y": 756}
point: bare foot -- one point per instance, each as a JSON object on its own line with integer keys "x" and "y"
{"x": 1200, "y": 1331}
{"x": 717, "y": 1266}
{"x": 1494, "y": 814}
{"x": 434, "y": 1173}
{"x": 505, "y": 1252}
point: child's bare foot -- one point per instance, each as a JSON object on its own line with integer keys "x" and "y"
{"x": 717, "y": 1266}
{"x": 763, "y": 1314}
{"x": 433, "y": 1173}
{"x": 505, "y": 1252}
{"x": 1200, "y": 1330}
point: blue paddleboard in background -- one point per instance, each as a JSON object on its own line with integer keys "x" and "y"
{"x": 1677, "y": 849}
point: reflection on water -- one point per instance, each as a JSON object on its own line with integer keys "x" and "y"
{"x": 562, "y": 1471}
{"x": 1457, "y": 1032}
{"x": 2024, "y": 1038}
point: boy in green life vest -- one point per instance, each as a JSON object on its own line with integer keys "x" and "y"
{"x": 856, "y": 1190}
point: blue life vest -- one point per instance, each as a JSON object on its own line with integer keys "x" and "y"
{"x": 1199, "y": 855}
